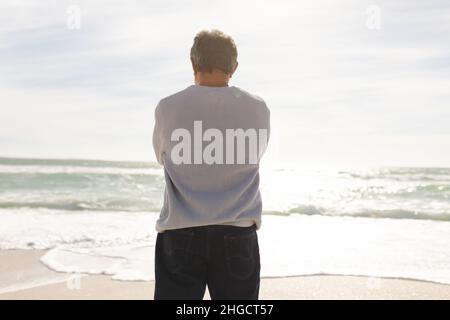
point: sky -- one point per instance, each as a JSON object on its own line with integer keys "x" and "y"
{"x": 347, "y": 82}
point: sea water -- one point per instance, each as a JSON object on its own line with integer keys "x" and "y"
{"x": 98, "y": 217}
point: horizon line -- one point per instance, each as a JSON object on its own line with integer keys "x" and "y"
{"x": 154, "y": 161}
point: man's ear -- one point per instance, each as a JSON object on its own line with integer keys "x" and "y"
{"x": 234, "y": 69}
{"x": 193, "y": 66}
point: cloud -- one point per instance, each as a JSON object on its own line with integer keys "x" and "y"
{"x": 328, "y": 79}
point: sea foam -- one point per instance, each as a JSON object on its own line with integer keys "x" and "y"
{"x": 122, "y": 245}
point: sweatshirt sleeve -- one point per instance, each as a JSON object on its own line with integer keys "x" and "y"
{"x": 268, "y": 123}
{"x": 157, "y": 135}
{"x": 265, "y": 125}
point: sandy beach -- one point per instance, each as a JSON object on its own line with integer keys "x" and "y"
{"x": 17, "y": 265}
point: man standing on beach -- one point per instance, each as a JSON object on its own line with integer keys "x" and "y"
{"x": 210, "y": 138}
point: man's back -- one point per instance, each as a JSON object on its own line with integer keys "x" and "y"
{"x": 208, "y": 179}
{"x": 210, "y": 138}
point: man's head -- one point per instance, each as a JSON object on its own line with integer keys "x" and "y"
{"x": 213, "y": 56}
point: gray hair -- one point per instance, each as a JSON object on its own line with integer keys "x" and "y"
{"x": 213, "y": 50}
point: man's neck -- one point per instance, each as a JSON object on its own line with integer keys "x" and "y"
{"x": 212, "y": 79}
{"x": 212, "y": 84}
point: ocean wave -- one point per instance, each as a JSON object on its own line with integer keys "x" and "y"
{"x": 99, "y": 217}
{"x": 35, "y": 169}
{"x": 419, "y": 191}
{"x": 122, "y": 246}
{"x": 310, "y": 210}
{"x": 115, "y": 205}
{"x": 77, "y": 163}
{"x": 98, "y": 186}
{"x": 76, "y": 181}
{"x": 46, "y": 228}
{"x": 400, "y": 174}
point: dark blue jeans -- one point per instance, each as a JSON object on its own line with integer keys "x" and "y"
{"x": 224, "y": 258}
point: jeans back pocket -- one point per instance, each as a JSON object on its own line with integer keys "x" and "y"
{"x": 242, "y": 255}
{"x": 176, "y": 247}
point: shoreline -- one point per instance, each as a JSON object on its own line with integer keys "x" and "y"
{"x": 47, "y": 284}
{"x": 325, "y": 287}
{"x": 357, "y": 276}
